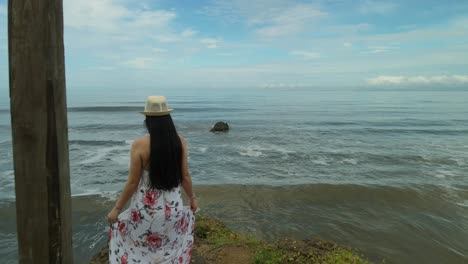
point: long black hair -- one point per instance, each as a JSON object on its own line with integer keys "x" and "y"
{"x": 165, "y": 170}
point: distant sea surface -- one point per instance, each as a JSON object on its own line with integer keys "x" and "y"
{"x": 383, "y": 171}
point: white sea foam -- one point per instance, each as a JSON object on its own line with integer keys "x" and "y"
{"x": 202, "y": 149}
{"x": 459, "y": 162}
{"x": 101, "y": 153}
{"x": 87, "y": 192}
{"x": 251, "y": 152}
{"x": 442, "y": 174}
{"x": 264, "y": 149}
{"x": 96, "y": 158}
{"x": 463, "y": 203}
{"x": 97, "y": 237}
{"x": 276, "y": 148}
{"x": 110, "y": 195}
{"x": 320, "y": 161}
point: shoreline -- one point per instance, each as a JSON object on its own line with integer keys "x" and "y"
{"x": 396, "y": 224}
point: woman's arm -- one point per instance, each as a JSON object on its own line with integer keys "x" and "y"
{"x": 187, "y": 179}
{"x": 132, "y": 181}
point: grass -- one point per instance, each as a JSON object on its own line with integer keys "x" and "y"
{"x": 215, "y": 235}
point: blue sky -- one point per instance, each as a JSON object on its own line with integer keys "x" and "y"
{"x": 120, "y": 44}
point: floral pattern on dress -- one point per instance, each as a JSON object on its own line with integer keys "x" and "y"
{"x": 156, "y": 228}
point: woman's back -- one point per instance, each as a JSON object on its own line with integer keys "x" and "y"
{"x": 156, "y": 228}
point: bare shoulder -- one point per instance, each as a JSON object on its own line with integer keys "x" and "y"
{"x": 182, "y": 140}
{"x": 140, "y": 143}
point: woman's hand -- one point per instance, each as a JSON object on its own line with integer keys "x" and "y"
{"x": 193, "y": 204}
{"x": 112, "y": 215}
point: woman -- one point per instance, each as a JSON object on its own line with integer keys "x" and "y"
{"x": 156, "y": 228}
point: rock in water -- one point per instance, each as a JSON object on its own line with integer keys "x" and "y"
{"x": 220, "y": 127}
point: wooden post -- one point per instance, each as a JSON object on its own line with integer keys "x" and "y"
{"x": 39, "y": 130}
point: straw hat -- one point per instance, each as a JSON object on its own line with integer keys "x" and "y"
{"x": 156, "y": 106}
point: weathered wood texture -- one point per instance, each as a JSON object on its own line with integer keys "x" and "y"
{"x": 39, "y": 129}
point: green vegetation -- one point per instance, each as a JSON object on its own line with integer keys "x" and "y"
{"x": 214, "y": 236}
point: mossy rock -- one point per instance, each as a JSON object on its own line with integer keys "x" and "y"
{"x": 306, "y": 251}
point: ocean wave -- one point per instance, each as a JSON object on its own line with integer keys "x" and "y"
{"x": 350, "y": 161}
{"x": 408, "y": 123}
{"x": 101, "y": 154}
{"x": 320, "y": 161}
{"x": 258, "y": 150}
{"x": 105, "y": 127}
{"x": 376, "y": 158}
{"x": 435, "y": 131}
{"x": 250, "y": 152}
{"x": 463, "y": 203}
{"x": 414, "y": 195}
{"x": 442, "y": 174}
{"x": 6, "y": 141}
{"x": 201, "y": 149}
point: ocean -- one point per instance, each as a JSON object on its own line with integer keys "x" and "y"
{"x": 384, "y": 171}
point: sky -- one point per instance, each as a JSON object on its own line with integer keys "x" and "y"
{"x": 121, "y": 44}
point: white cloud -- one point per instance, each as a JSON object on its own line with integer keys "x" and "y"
{"x": 139, "y": 62}
{"x": 211, "y": 43}
{"x": 102, "y": 15}
{"x": 268, "y": 18}
{"x": 157, "y": 18}
{"x": 112, "y": 15}
{"x": 234, "y": 11}
{"x": 419, "y": 80}
{"x": 281, "y": 22}
{"x": 349, "y": 29}
{"x": 377, "y": 7}
{"x": 128, "y": 35}
{"x": 379, "y": 49}
{"x": 455, "y": 29}
{"x": 188, "y": 33}
{"x": 175, "y": 37}
{"x": 168, "y": 38}
{"x": 305, "y": 54}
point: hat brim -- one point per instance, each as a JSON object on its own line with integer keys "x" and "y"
{"x": 157, "y": 113}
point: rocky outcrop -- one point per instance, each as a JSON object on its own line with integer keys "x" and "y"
{"x": 215, "y": 243}
{"x": 220, "y": 127}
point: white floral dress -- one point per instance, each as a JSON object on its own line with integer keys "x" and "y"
{"x": 156, "y": 228}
